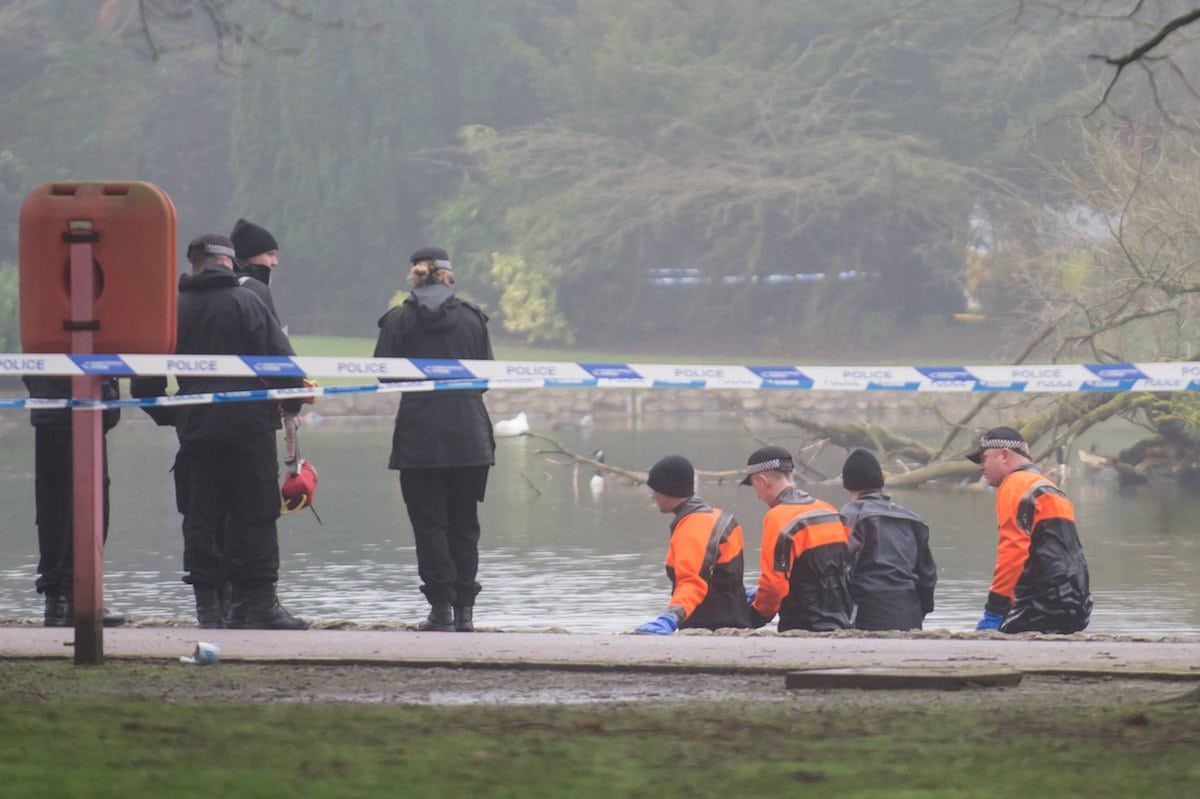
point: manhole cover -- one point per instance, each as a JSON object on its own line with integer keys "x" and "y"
{"x": 904, "y": 679}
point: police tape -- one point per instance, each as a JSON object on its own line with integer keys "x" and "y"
{"x": 253, "y": 395}
{"x": 451, "y": 374}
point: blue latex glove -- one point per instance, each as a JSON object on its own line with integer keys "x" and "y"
{"x": 990, "y": 621}
{"x": 750, "y": 594}
{"x": 663, "y": 625}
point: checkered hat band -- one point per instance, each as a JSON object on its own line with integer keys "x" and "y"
{"x": 768, "y": 466}
{"x": 441, "y": 264}
{"x": 1003, "y": 443}
{"x": 219, "y": 249}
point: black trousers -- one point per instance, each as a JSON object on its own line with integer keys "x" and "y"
{"x": 229, "y": 498}
{"x": 889, "y": 610}
{"x": 53, "y": 496}
{"x": 443, "y": 506}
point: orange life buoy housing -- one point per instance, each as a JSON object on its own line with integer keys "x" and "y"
{"x": 133, "y": 251}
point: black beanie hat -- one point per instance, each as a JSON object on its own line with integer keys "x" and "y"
{"x": 673, "y": 476}
{"x": 861, "y": 471}
{"x": 250, "y": 240}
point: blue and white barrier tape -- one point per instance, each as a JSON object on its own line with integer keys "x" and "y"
{"x": 441, "y": 375}
{"x": 269, "y": 394}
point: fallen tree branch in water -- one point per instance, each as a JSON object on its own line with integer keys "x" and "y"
{"x": 852, "y": 435}
{"x": 629, "y": 474}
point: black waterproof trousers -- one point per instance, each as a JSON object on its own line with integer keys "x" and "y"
{"x": 888, "y": 610}
{"x": 53, "y": 495}
{"x": 443, "y": 506}
{"x": 229, "y": 497}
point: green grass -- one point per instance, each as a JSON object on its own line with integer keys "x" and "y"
{"x": 106, "y": 743}
{"x": 333, "y": 346}
{"x": 348, "y": 346}
{"x": 352, "y": 347}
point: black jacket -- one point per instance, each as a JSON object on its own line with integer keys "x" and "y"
{"x": 893, "y": 565}
{"x": 248, "y": 278}
{"x": 440, "y": 428}
{"x": 217, "y": 316}
{"x": 60, "y": 388}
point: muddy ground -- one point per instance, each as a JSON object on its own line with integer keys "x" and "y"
{"x": 392, "y": 685}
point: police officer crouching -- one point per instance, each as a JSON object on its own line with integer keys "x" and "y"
{"x": 1040, "y": 583}
{"x": 894, "y": 575}
{"x": 805, "y": 560}
{"x": 704, "y": 556}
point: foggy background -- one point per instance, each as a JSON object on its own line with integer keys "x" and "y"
{"x": 745, "y": 177}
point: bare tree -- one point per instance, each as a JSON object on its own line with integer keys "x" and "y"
{"x": 1105, "y": 262}
{"x": 232, "y": 28}
{"x": 1154, "y": 40}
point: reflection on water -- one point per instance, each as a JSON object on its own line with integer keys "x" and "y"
{"x": 556, "y": 555}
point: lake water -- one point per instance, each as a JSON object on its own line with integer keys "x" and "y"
{"x": 553, "y": 553}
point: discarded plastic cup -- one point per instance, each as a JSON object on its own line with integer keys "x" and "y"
{"x": 205, "y": 654}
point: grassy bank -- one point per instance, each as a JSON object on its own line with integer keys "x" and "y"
{"x": 349, "y": 346}
{"x": 107, "y": 732}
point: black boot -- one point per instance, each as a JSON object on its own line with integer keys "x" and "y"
{"x": 208, "y": 607}
{"x": 57, "y": 611}
{"x": 257, "y": 608}
{"x": 63, "y": 613}
{"x": 464, "y": 618}
{"x": 440, "y": 620}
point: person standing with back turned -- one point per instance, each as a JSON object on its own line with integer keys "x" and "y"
{"x": 893, "y": 575}
{"x": 53, "y": 489}
{"x": 442, "y": 444}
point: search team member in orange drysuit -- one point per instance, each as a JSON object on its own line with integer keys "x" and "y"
{"x": 704, "y": 556}
{"x": 805, "y": 559}
{"x": 1040, "y": 582}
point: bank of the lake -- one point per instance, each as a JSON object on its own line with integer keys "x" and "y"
{"x": 573, "y": 408}
{"x": 150, "y": 730}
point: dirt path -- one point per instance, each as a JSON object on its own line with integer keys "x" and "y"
{"x": 743, "y": 654}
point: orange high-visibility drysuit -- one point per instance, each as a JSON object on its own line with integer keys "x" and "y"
{"x": 1041, "y": 578}
{"x": 705, "y": 566}
{"x": 805, "y": 564}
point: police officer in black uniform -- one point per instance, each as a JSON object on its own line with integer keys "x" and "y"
{"x": 257, "y": 257}
{"x": 52, "y": 490}
{"x": 227, "y": 470}
{"x": 442, "y": 444}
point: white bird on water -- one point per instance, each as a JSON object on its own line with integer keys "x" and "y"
{"x": 516, "y": 426}
{"x": 596, "y": 484}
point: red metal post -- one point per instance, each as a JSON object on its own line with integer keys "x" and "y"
{"x": 87, "y": 468}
